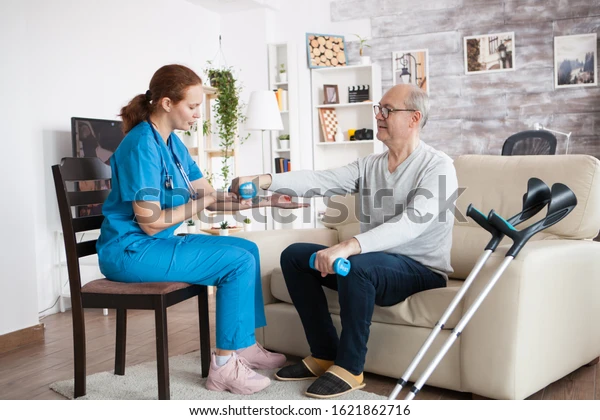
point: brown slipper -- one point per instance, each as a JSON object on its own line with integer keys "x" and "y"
{"x": 307, "y": 369}
{"x": 335, "y": 382}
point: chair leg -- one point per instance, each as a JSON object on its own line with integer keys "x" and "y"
{"x": 204, "y": 325}
{"x": 79, "y": 352}
{"x": 120, "y": 345}
{"x": 162, "y": 349}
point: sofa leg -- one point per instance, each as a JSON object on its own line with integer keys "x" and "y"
{"x": 479, "y": 397}
{"x": 594, "y": 362}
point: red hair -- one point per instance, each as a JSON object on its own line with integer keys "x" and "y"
{"x": 169, "y": 81}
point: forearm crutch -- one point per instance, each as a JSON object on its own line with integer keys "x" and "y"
{"x": 534, "y": 200}
{"x": 562, "y": 202}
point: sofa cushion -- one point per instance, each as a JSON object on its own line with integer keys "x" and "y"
{"x": 422, "y": 309}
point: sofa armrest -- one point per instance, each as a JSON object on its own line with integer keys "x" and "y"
{"x": 272, "y": 242}
{"x": 537, "y": 324}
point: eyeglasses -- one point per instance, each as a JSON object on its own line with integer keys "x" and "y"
{"x": 385, "y": 112}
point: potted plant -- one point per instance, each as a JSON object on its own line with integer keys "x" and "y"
{"x": 191, "y": 226}
{"x": 284, "y": 141}
{"x": 229, "y": 113}
{"x": 247, "y": 224}
{"x": 282, "y": 74}
{"x": 224, "y": 228}
{"x": 364, "y": 59}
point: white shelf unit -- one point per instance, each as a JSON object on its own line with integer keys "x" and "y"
{"x": 286, "y": 54}
{"x": 328, "y": 155}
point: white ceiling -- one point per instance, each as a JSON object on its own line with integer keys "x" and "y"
{"x": 228, "y": 6}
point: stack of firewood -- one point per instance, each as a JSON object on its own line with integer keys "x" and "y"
{"x": 326, "y": 51}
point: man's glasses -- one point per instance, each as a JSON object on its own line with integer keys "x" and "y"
{"x": 385, "y": 112}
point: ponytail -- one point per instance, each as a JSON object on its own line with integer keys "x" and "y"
{"x": 136, "y": 111}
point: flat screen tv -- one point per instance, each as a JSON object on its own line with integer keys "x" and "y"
{"x": 94, "y": 138}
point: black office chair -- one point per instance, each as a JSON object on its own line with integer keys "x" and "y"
{"x": 530, "y": 142}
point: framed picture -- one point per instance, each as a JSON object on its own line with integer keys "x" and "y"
{"x": 489, "y": 53}
{"x": 329, "y": 123}
{"x": 330, "y": 94}
{"x": 575, "y": 61}
{"x": 411, "y": 67}
{"x": 325, "y": 50}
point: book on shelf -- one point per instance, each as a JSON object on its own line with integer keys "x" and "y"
{"x": 282, "y": 165}
{"x": 282, "y": 98}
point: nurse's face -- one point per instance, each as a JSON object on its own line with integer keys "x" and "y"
{"x": 187, "y": 111}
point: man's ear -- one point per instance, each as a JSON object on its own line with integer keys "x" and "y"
{"x": 166, "y": 104}
{"x": 416, "y": 118}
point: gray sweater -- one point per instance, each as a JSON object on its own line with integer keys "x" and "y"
{"x": 407, "y": 212}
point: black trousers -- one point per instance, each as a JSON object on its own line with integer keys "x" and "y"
{"x": 375, "y": 278}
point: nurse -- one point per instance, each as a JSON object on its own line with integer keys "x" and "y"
{"x": 155, "y": 187}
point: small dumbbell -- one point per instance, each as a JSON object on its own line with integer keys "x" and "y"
{"x": 247, "y": 190}
{"x": 341, "y": 266}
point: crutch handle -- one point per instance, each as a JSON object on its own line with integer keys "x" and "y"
{"x": 563, "y": 201}
{"x": 482, "y": 221}
{"x": 538, "y": 195}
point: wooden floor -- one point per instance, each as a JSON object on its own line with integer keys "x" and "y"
{"x": 27, "y": 372}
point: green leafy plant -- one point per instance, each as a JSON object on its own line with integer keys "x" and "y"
{"x": 363, "y": 43}
{"x": 284, "y": 137}
{"x": 282, "y": 68}
{"x": 247, "y": 220}
{"x": 224, "y": 224}
{"x": 229, "y": 114}
{"x": 205, "y": 127}
{"x": 191, "y": 222}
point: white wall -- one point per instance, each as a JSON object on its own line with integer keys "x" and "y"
{"x": 290, "y": 24}
{"x": 62, "y": 59}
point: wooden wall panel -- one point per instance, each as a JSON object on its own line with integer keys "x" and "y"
{"x": 476, "y": 113}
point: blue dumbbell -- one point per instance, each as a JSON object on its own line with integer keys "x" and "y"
{"x": 247, "y": 190}
{"x": 341, "y": 266}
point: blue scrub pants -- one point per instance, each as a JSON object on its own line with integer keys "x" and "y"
{"x": 231, "y": 264}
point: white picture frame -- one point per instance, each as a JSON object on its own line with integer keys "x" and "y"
{"x": 489, "y": 53}
{"x": 411, "y": 62}
{"x": 571, "y": 50}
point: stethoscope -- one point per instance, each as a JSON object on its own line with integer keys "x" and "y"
{"x": 169, "y": 178}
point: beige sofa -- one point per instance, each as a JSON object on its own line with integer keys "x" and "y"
{"x": 539, "y": 323}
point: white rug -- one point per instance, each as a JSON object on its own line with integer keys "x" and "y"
{"x": 140, "y": 383}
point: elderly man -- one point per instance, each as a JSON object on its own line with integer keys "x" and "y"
{"x": 403, "y": 248}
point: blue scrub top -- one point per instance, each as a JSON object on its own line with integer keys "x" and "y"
{"x": 139, "y": 173}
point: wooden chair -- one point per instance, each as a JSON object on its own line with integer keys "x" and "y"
{"x": 104, "y": 293}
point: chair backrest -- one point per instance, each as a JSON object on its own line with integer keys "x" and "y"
{"x": 69, "y": 178}
{"x": 530, "y": 142}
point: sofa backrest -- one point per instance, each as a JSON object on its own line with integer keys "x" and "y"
{"x": 498, "y": 183}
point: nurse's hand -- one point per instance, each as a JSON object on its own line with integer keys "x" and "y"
{"x": 279, "y": 200}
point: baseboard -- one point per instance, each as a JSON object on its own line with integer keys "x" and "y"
{"x": 22, "y": 337}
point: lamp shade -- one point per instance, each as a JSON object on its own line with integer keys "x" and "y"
{"x": 263, "y": 111}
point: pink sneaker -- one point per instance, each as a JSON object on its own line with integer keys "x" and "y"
{"x": 259, "y": 358}
{"x": 235, "y": 376}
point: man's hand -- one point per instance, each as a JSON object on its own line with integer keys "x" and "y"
{"x": 260, "y": 181}
{"x": 326, "y": 257}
